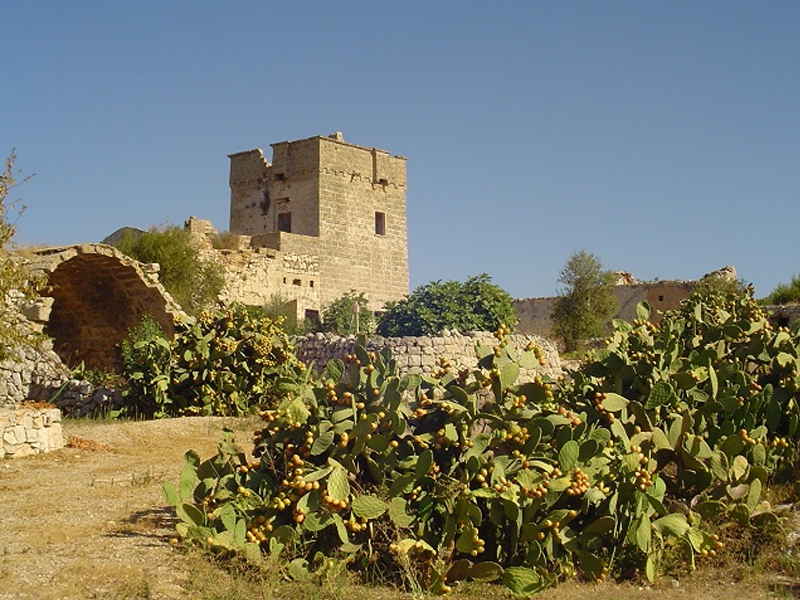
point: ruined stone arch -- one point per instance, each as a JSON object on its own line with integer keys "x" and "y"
{"x": 98, "y": 294}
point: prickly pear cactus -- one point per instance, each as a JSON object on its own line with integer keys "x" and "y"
{"x": 470, "y": 475}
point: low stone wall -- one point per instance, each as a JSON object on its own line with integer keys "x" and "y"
{"x": 421, "y": 354}
{"x": 29, "y": 430}
{"x": 34, "y": 374}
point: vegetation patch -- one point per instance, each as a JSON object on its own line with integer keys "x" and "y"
{"x": 632, "y": 465}
{"x": 224, "y": 362}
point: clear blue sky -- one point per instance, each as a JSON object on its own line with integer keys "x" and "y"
{"x": 662, "y": 136}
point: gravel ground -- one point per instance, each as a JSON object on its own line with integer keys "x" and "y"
{"x": 90, "y": 521}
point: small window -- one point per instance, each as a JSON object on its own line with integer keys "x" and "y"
{"x": 661, "y": 298}
{"x": 312, "y": 316}
{"x": 285, "y": 222}
{"x": 284, "y": 280}
{"x": 296, "y": 282}
{"x": 311, "y": 283}
{"x": 380, "y": 223}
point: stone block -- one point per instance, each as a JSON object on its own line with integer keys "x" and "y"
{"x": 38, "y": 312}
{"x": 27, "y": 420}
{"x": 18, "y": 431}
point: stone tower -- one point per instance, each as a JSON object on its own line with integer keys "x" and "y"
{"x": 323, "y": 196}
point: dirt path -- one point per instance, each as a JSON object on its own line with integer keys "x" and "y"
{"x": 92, "y": 522}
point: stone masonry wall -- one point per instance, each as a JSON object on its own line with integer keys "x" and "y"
{"x": 534, "y": 314}
{"x": 340, "y": 202}
{"x": 26, "y": 430}
{"x": 421, "y": 354}
{"x": 257, "y": 275}
{"x": 34, "y": 375}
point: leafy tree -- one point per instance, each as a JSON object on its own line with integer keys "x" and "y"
{"x": 348, "y": 314}
{"x": 586, "y": 302}
{"x": 194, "y": 283}
{"x": 16, "y": 284}
{"x": 785, "y": 294}
{"x": 475, "y": 305}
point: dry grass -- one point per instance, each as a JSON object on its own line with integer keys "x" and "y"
{"x": 90, "y": 521}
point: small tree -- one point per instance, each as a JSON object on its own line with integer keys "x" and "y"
{"x": 16, "y": 284}
{"x": 475, "y": 305}
{"x": 586, "y": 302}
{"x": 785, "y": 294}
{"x": 194, "y": 283}
{"x": 348, "y": 314}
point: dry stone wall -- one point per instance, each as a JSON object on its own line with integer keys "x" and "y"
{"x": 34, "y": 375}
{"x": 26, "y": 430}
{"x": 421, "y": 354}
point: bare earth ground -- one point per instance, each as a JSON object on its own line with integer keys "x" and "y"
{"x": 91, "y": 522}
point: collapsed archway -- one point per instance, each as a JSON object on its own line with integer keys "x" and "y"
{"x": 98, "y": 294}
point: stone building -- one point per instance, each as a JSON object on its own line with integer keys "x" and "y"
{"x": 326, "y": 216}
{"x": 534, "y": 314}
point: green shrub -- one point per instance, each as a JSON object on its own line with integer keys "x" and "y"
{"x": 194, "y": 283}
{"x": 224, "y": 362}
{"x": 475, "y": 305}
{"x": 225, "y": 240}
{"x": 668, "y": 427}
{"x": 586, "y": 302}
{"x": 147, "y": 361}
{"x": 348, "y": 314}
{"x": 785, "y": 293}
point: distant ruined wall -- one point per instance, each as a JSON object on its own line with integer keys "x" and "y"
{"x": 661, "y": 295}
{"x": 421, "y": 354}
{"x": 534, "y": 314}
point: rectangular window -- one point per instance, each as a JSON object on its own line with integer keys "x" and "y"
{"x": 312, "y": 316}
{"x": 297, "y": 282}
{"x": 285, "y": 222}
{"x": 380, "y": 223}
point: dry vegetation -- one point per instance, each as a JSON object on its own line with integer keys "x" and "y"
{"x": 89, "y": 521}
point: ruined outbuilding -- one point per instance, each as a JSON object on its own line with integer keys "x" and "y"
{"x": 534, "y": 314}
{"x": 94, "y": 296}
